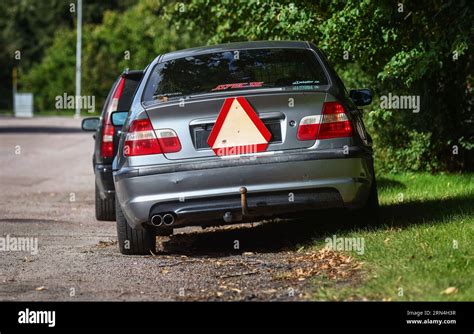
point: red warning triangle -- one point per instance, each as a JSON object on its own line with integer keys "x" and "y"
{"x": 238, "y": 130}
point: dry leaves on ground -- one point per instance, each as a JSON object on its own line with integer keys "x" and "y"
{"x": 450, "y": 291}
{"x": 103, "y": 244}
{"x": 333, "y": 265}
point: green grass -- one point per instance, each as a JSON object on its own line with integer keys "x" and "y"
{"x": 4, "y": 112}
{"x": 424, "y": 216}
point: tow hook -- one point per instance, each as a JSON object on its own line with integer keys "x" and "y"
{"x": 243, "y": 201}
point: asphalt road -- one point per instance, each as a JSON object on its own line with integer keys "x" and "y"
{"x": 46, "y": 192}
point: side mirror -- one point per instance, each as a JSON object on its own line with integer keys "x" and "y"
{"x": 361, "y": 97}
{"x": 90, "y": 123}
{"x": 118, "y": 118}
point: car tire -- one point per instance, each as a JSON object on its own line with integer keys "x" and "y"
{"x": 132, "y": 241}
{"x": 104, "y": 208}
{"x": 370, "y": 212}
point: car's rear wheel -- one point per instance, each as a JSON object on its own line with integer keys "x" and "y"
{"x": 132, "y": 241}
{"x": 104, "y": 208}
{"x": 370, "y": 213}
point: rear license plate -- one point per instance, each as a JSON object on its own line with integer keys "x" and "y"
{"x": 201, "y": 133}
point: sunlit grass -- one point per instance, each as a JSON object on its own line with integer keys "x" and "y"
{"x": 424, "y": 246}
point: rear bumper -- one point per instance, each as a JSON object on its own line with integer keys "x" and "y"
{"x": 228, "y": 209}
{"x": 104, "y": 180}
{"x": 199, "y": 193}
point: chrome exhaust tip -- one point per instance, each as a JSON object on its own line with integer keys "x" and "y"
{"x": 168, "y": 219}
{"x": 156, "y": 220}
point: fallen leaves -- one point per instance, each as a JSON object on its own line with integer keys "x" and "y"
{"x": 449, "y": 290}
{"x": 226, "y": 289}
{"x": 270, "y": 291}
{"x": 106, "y": 243}
{"x": 331, "y": 264}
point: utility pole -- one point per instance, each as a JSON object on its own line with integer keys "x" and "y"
{"x": 14, "y": 80}
{"x": 14, "y": 87}
{"x": 78, "y": 58}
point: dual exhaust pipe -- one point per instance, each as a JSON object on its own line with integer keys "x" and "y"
{"x": 166, "y": 219}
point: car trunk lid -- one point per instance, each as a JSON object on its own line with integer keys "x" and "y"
{"x": 193, "y": 119}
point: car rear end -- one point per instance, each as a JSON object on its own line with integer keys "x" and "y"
{"x": 107, "y": 137}
{"x": 318, "y": 156}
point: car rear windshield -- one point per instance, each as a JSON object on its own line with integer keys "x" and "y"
{"x": 290, "y": 69}
{"x": 126, "y": 99}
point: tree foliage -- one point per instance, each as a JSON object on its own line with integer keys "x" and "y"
{"x": 399, "y": 48}
{"x": 30, "y": 26}
{"x": 404, "y": 48}
{"x": 131, "y": 39}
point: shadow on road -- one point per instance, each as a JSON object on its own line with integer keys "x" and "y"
{"x": 25, "y": 220}
{"x": 39, "y": 129}
{"x": 292, "y": 234}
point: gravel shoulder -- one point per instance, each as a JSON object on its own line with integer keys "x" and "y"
{"x": 47, "y": 193}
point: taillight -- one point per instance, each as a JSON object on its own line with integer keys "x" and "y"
{"x": 107, "y": 145}
{"x": 168, "y": 140}
{"x": 308, "y": 128}
{"x": 333, "y": 123}
{"x": 142, "y": 140}
{"x": 119, "y": 88}
{"x": 108, "y": 132}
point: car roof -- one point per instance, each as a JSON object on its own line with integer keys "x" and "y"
{"x": 132, "y": 74}
{"x": 233, "y": 47}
